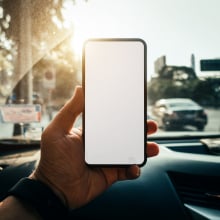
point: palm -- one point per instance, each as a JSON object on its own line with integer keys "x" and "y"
{"x": 78, "y": 182}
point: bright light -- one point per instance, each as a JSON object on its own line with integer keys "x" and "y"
{"x": 76, "y": 18}
{"x": 81, "y": 19}
{"x": 77, "y": 42}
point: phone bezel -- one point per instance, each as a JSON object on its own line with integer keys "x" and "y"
{"x": 145, "y": 96}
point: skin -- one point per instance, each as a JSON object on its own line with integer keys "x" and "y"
{"x": 62, "y": 166}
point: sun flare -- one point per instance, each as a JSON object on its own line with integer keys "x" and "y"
{"x": 79, "y": 15}
{"x": 77, "y": 42}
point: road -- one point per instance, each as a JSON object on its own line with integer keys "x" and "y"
{"x": 213, "y": 124}
{"x": 213, "y": 120}
{"x": 6, "y": 129}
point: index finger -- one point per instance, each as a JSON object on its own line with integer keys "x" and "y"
{"x": 151, "y": 127}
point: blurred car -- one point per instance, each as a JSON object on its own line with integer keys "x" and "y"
{"x": 150, "y": 116}
{"x": 178, "y": 112}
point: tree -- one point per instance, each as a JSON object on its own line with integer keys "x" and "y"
{"x": 168, "y": 88}
{"x": 47, "y": 30}
{"x": 207, "y": 92}
{"x": 173, "y": 82}
{"x": 61, "y": 59}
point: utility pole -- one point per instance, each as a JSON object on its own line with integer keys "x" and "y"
{"x": 25, "y": 52}
{"x": 24, "y": 60}
{"x": 193, "y": 64}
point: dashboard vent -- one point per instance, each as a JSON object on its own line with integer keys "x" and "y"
{"x": 197, "y": 190}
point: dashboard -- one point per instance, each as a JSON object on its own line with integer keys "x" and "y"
{"x": 182, "y": 182}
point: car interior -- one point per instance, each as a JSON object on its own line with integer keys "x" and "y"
{"x": 41, "y": 47}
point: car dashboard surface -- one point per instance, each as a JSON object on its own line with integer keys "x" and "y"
{"x": 182, "y": 182}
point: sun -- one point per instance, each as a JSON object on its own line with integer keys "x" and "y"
{"x": 80, "y": 17}
{"x": 88, "y": 22}
{"x": 77, "y": 41}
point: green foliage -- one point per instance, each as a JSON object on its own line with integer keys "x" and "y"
{"x": 167, "y": 88}
{"x": 33, "y": 31}
{"x": 61, "y": 60}
{"x": 205, "y": 92}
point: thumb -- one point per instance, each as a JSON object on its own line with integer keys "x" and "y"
{"x": 66, "y": 117}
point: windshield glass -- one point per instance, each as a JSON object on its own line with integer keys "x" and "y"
{"x": 41, "y": 47}
{"x": 184, "y": 105}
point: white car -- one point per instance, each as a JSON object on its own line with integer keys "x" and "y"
{"x": 178, "y": 112}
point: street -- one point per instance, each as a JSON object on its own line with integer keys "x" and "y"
{"x": 213, "y": 124}
{"x": 7, "y": 128}
{"x": 213, "y": 120}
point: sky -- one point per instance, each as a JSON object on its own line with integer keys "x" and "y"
{"x": 174, "y": 28}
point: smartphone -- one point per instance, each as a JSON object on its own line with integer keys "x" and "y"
{"x": 114, "y": 119}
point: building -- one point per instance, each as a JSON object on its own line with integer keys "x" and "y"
{"x": 176, "y": 73}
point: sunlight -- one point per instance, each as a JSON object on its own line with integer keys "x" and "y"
{"x": 80, "y": 16}
{"x": 77, "y": 42}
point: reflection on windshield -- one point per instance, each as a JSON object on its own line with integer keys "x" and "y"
{"x": 38, "y": 64}
{"x": 28, "y": 32}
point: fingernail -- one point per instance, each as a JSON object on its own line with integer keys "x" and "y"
{"x": 138, "y": 172}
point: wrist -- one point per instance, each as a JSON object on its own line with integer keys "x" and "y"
{"x": 37, "y": 176}
{"x": 39, "y": 197}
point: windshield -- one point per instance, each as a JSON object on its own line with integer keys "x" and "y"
{"x": 183, "y": 105}
{"x": 40, "y": 59}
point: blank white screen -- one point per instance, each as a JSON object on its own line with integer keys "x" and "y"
{"x": 114, "y": 123}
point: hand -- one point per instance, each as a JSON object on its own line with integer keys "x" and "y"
{"x": 62, "y": 166}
